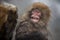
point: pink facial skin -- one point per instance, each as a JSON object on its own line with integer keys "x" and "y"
{"x": 35, "y": 15}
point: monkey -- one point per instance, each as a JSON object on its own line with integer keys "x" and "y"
{"x": 33, "y": 24}
{"x": 8, "y": 20}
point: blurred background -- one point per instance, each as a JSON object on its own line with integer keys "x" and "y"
{"x": 54, "y": 5}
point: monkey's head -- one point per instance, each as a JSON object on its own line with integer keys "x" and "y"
{"x": 35, "y": 15}
{"x": 38, "y": 13}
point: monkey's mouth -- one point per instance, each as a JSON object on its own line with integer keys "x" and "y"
{"x": 35, "y": 18}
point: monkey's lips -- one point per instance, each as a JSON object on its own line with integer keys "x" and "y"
{"x": 34, "y": 18}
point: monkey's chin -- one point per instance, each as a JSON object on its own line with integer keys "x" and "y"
{"x": 35, "y": 20}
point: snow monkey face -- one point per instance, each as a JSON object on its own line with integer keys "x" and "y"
{"x": 35, "y": 15}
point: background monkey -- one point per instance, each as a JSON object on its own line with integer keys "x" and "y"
{"x": 8, "y": 20}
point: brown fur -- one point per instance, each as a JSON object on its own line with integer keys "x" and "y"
{"x": 28, "y": 30}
